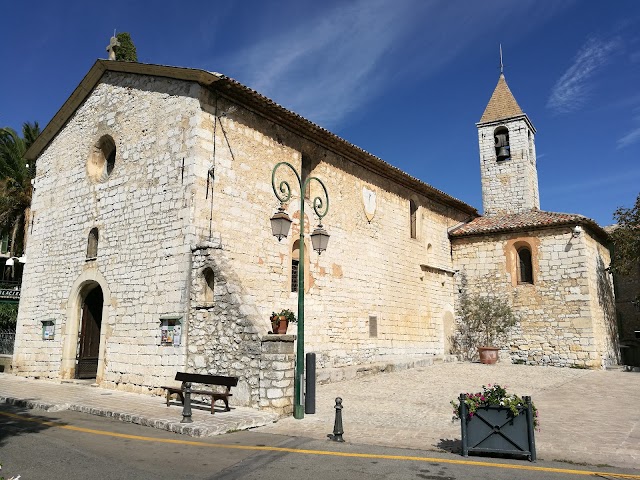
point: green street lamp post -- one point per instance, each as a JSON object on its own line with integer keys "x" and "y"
{"x": 280, "y": 223}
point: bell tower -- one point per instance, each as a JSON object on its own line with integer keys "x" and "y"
{"x": 507, "y": 154}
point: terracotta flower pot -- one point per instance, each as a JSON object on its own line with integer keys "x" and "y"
{"x": 279, "y": 325}
{"x": 488, "y": 355}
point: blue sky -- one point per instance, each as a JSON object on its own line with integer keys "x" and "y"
{"x": 404, "y": 79}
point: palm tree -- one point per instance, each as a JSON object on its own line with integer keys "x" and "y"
{"x": 15, "y": 184}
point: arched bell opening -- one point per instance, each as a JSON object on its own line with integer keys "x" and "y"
{"x": 503, "y": 149}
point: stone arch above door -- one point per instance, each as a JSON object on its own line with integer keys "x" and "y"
{"x": 81, "y": 287}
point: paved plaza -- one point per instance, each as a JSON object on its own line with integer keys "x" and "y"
{"x": 586, "y": 416}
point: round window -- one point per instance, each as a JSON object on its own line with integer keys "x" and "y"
{"x": 102, "y": 159}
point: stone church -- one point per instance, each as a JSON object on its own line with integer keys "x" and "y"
{"x": 151, "y": 252}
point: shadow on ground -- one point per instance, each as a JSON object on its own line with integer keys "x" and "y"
{"x": 20, "y": 420}
{"x": 452, "y": 446}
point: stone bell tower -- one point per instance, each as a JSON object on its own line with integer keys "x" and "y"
{"x": 507, "y": 155}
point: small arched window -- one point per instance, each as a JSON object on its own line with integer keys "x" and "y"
{"x": 92, "y": 244}
{"x": 525, "y": 267}
{"x": 503, "y": 149}
{"x": 413, "y": 214}
{"x": 208, "y": 284}
{"x": 295, "y": 264}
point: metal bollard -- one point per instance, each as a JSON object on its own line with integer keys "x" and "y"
{"x": 186, "y": 409}
{"x": 337, "y": 425}
{"x": 310, "y": 381}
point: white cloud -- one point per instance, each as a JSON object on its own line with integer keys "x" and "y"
{"x": 332, "y": 63}
{"x": 632, "y": 137}
{"x": 572, "y": 90}
{"x": 325, "y": 67}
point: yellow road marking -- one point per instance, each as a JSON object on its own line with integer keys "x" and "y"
{"x": 322, "y": 452}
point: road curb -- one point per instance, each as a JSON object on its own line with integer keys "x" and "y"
{"x": 191, "y": 430}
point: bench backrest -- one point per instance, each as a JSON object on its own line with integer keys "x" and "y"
{"x": 207, "y": 379}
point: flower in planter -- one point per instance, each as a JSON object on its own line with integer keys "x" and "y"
{"x": 493, "y": 395}
{"x": 288, "y": 314}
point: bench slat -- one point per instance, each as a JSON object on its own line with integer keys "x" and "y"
{"x": 207, "y": 379}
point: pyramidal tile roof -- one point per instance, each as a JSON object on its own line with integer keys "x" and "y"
{"x": 502, "y": 104}
{"x": 532, "y": 219}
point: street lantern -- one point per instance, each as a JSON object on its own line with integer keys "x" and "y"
{"x": 280, "y": 223}
{"x": 319, "y": 239}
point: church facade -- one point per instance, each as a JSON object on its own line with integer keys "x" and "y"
{"x": 150, "y": 249}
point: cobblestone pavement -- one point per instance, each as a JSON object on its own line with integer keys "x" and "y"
{"x": 128, "y": 407}
{"x": 585, "y": 416}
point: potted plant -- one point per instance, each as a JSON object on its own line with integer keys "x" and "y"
{"x": 484, "y": 323}
{"x": 280, "y": 321}
{"x": 494, "y": 421}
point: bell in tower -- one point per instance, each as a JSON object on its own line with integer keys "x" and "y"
{"x": 501, "y": 137}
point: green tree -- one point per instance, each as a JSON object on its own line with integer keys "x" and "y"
{"x": 8, "y": 317}
{"x": 127, "y": 50}
{"x": 15, "y": 184}
{"x": 626, "y": 239}
{"x": 484, "y": 320}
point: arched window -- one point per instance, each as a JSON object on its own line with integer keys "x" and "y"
{"x": 501, "y": 137}
{"x": 208, "y": 284}
{"x": 92, "y": 244}
{"x": 525, "y": 267}
{"x": 295, "y": 263}
{"x": 413, "y": 213}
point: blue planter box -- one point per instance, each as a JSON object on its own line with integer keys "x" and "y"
{"x": 495, "y": 430}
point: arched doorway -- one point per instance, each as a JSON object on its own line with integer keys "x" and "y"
{"x": 88, "y": 350}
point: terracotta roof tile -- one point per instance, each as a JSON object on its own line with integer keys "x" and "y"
{"x": 502, "y": 104}
{"x": 532, "y": 219}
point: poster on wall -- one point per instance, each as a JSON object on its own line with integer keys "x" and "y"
{"x": 170, "y": 331}
{"x": 48, "y": 330}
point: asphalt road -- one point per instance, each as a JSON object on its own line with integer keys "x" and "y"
{"x": 69, "y": 445}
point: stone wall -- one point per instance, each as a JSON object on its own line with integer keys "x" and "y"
{"x": 222, "y": 335}
{"x": 277, "y": 373}
{"x": 141, "y": 211}
{"x": 191, "y": 189}
{"x": 559, "y": 324}
{"x": 508, "y": 186}
{"x": 371, "y": 270}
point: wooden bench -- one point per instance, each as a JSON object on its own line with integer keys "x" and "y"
{"x": 213, "y": 380}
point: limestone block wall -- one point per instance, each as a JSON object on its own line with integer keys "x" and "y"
{"x": 511, "y": 185}
{"x": 277, "y": 373}
{"x": 191, "y": 188}
{"x": 223, "y": 338}
{"x": 603, "y": 303}
{"x": 558, "y": 323}
{"x": 142, "y": 213}
{"x": 371, "y": 272}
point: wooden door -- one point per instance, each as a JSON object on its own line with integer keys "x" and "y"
{"x": 89, "y": 338}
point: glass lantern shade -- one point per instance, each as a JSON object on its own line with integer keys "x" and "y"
{"x": 320, "y": 239}
{"x": 280, "y": 223}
